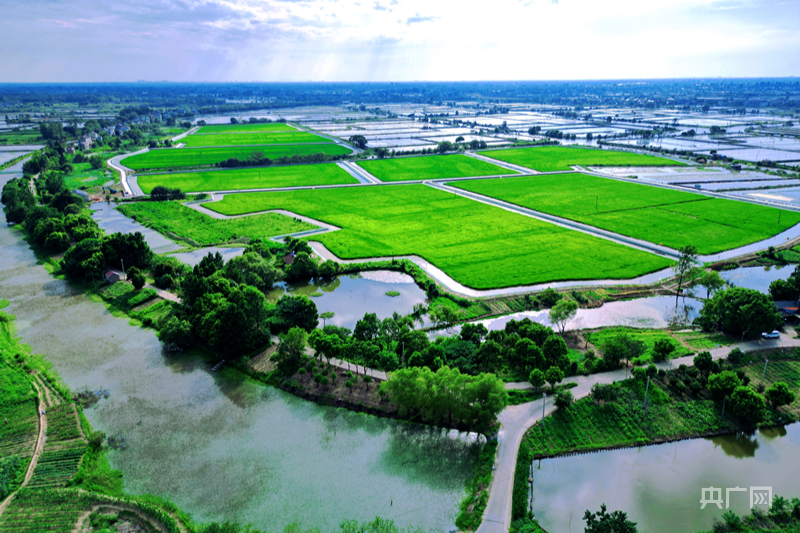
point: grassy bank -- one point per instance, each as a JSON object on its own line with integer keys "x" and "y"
{"x": 554, "y": 158}
{"x": 430, "y": 167}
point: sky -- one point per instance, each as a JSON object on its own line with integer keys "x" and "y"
{"x": 395, "y": 40}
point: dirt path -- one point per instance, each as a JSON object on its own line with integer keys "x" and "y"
{"x": 37, "y": 451}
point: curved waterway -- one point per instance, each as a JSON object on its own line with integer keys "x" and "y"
{"x": 660, "y": 486}
{"x": 220, "y": 445}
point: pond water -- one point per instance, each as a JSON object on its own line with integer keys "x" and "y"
{"x": 660, "y": 486}
{"x": 112, "y": 221}
{"x": 220, "y": 445}
{"x": 756, "y": 278}
{"x": 351, "y": 296}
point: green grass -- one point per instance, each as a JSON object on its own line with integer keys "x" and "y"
{"x": 241, "y": 139}
{"x": 430, "y": 167}
{"x": 175, "y": 220}
{"x": 85, "y": 176}
{"x": 553, "y": 158}
{"x": 662, "y": 216}
{"x": 194, "y": 157}
{"x": 245, "y": 128}
{"x": 785, "y": 371}
{"x": 249, "y": 178}
{"x": 647, "y": 336}
{"x": 479, "y": 245}
{"x": 45, "y": 510}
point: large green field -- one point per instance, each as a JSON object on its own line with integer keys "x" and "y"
{"x": 180, "y": 222}
{"x": 552, "y": 158}
{"x": 478, "y": 245}
{"x": 245, "y": 128}
{"x": 194, "y": 157}
{"x": 245, "y": 139}
{"x": 430, "y": 167}
{"x": 249, "y": 178}
{"x": 662, "y": 216}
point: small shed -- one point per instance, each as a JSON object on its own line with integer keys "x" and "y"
{"x": 112, "y": 276}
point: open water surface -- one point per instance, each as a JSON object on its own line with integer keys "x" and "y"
{"x": 222, "y": 446}
{"x": 660, "y": 486}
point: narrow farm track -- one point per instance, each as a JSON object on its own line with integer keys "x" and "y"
{"x": 37, "y": 451}
{"x": 516, "y": 420}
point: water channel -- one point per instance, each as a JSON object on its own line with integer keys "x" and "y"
{"x": 660, "y": 486}
{"x": 220, "y": 445}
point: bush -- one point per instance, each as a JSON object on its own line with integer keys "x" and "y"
{"x": 662, "y": 349}
{"x": 57, "y": 242}
{"x": 779, "y": 395}
{"x": 563, "y": 400}
{"x": 747, "y": 405}
{"x": 549, "y": 297}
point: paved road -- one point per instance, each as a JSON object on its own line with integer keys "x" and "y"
{"x": 114, "y": 163}
{"x": 516, "y": 420}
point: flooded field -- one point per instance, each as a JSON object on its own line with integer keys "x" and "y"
{"x": 660, "y": 486}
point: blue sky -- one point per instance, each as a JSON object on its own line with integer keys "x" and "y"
{"x": 396, "y": 40}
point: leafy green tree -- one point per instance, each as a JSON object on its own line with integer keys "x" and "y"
{"x": 779, "y": 394}
{"x": 562, "y": 312}
{"x": 56, "y": 242}
{"x": 473, "y": 332}
{"x": 703, "y": 362}
{"x": 712, "y": 281}
{"x": 563, "y": 400}
{"x": 297, "y": 311}
{"x": 302, "y": 268}
{"x": 328, "y": 269}
{"x": 359, "y": 141}
{"x": 130, "y": 248}
{"x": 489, "y": 355}
{"x": 747, "y": 405}
{"x": 536, "y": 378}
{"x": 740, "y": 312}
{"x": 84, "y": 260}
{"x": 528, "y": 355}
{"x": 723, "y": 384}
{"x": 367, "y": 328}
{"x": 176, "y": 332}
{"x": 554, "y": 376}
{"x": 291, "y": 351}
{"x": 251, "y": 269}
{"x": 603, "y": 522}
{"x": 662, "y": 349}
{"x": 136, "y": 277}
{"x": 555, "y": 351}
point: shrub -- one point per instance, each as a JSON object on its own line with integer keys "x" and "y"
{"x": 779, "y": 395}
{"x": 747, "y": 405}
{"x": 563, "y": 400}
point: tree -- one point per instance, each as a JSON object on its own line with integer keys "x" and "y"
{"x": 712, "y": 282}
{"x": 740, "y": 312}
{"x": 562, "y": 312}
{"x": 297, "y": 311}
{"x": 302, "y": 268}
{"x": 252, "y": 269}
{"x": 723, "y": 384}
{"x": 602, "y": 522}
{"x": 359, "y": 141}
{"x": 662, "y": 349}
{"x": 489, "y": 355}
{"x": 56, "y": 242}
{"x": 136, "y": 277}
{"x": 536, "y": 378}
{"x": 554, "y": 376}
{"x": 368, "y": 328}
{"x": 327, "y": 315}
{"x": 130, "y": 248}
{"x": 555, "y": 351}
{"x": 473, "y": 332}
{"x": 747, "y": 405}
{"x": 563, "y": 400}
{"x": 703, "y": 362}
{"x": 686, "y": 263}
{"x": 176, "y": 332}
{"x": 779, "y": 394}
{"x": 292, "y": 350}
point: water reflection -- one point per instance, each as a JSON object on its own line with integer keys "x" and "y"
{"x": 740, "y": 445}
{"x": 660, "y": 486}
{"x": 221, "y": 445}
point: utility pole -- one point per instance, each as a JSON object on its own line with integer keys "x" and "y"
{"x": 123, "y": 267}
{"x": 723, "y": 407}
{"x": 763, "y": 373}
{"x": 646, "y": 390}
{"x": 544, "y": 399}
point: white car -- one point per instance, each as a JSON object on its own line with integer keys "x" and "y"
{"x": 774, "y": 335}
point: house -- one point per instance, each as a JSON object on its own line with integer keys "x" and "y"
{"x": 69, "y": 150}
{"x": 85, "y": 143}
{"x": 93, "y": 136}
{"x": 113, "y": 276}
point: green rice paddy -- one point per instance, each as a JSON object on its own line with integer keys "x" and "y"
{"x": 430, "y": 167}
{"x": 245, "y": 139}
{"x": 245, "y": 128}
{"x": 249, "y": 178}
{"x": 185, "y": 224}
{"x": 478, "y": 245}
{"x": 553, "y": 158}
{"x": 194, "y": 157}
{"x": 662, "y": 216}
